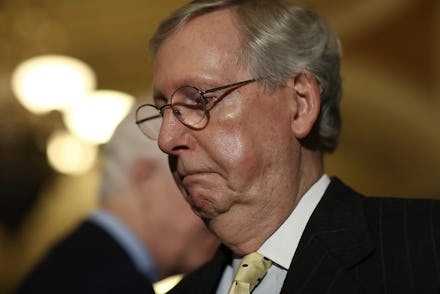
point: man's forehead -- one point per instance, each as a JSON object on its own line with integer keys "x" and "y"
{"x": 206, "y": 47}
{"x": 213, "y": 29}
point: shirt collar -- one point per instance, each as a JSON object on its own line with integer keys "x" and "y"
{"x": 125, "y": 237}
{"x": 291, "y": 230}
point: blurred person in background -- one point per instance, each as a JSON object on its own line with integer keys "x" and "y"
{"x": 143, "y": 231}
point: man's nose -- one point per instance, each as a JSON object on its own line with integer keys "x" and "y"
{"x": 173, "y": 135}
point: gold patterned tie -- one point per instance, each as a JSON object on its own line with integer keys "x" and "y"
{"x": 252, "y": 270}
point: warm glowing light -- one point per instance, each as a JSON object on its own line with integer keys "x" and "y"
{"x": 95, "y": 117}
{"x": 163, "y": 286}
{"x": 68, "y": 155}
{"x": 51, "y": 82}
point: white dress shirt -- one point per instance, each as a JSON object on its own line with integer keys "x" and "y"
{"x": 274, "y": 248}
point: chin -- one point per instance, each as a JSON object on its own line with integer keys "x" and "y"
{"x": 202, "y": 208}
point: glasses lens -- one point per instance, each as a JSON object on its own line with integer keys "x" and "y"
{"x": 149, "y": 120}
{"x": 188, "y": 106}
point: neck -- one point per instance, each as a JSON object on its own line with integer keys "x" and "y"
{"x": 247, "y": 234}
{"x": 310, "y": 171}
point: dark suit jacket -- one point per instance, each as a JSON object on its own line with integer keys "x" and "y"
{"x": 354, "y": 244}
{"x": 87, "y": 261}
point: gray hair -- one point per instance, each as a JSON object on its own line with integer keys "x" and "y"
{"x": 126, "y": 146}
{"x": 279, "y": 40}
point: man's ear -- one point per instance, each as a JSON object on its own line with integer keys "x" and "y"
{"x": 307, "y": 104}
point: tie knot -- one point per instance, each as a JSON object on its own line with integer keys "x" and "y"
{"x": 253, "y": 268}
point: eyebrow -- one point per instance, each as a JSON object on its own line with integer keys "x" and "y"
{"x": 202, "y": 84}
{"x": 159, "y": 96}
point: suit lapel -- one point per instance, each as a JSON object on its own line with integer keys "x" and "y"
{"x": 205, "y": 279}
{"x": 211, "y": 277}
{"x": 335, "y": 239}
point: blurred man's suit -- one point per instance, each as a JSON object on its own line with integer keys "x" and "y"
{"x": 97, "y": 260}
{"x": 354, "y": 244}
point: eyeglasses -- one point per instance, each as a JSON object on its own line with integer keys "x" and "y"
{"x": 189, "y": 105}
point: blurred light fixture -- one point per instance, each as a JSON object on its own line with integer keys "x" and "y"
{"x": 68, "y": 155}
{"x": 51, "y": 82}
{"x": 95, "y": 117}
{"x": 163, "y": 286}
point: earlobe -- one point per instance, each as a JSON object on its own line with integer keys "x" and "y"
{"x": 307, "y": 102}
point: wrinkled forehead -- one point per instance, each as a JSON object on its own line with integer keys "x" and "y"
{"x": 208, "y": 44}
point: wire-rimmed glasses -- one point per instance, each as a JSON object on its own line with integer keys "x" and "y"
{"x": 189, "y": 105}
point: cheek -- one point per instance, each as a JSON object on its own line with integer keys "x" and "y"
{"x": 231, "y": 131}
{"x": 231, "y": 144}
{"x": 234, "y": 131}
{"x": 248, "y": 131}
{"x": 235, "y": 148}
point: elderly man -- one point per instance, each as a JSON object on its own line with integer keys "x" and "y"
{"x": 246, "y": 104}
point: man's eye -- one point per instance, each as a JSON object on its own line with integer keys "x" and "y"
{"x": 177, "y": 111}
